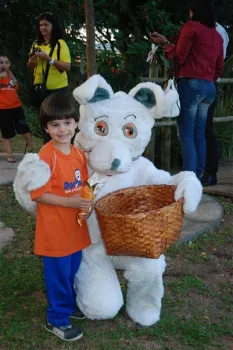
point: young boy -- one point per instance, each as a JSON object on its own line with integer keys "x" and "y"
{"x": 12, "y": 117}
{"x": 59, "y": 238}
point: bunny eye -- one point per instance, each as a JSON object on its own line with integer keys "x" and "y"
{"x": 101, "y": 128}
{"x": 130, "y": 131}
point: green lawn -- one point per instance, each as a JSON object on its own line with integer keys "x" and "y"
{"x": 18, "y": 144}
{"x": 197, "y": 310}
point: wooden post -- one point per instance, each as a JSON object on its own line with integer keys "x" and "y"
{"x": 165, "y": 141}
{"x": 90, "y": 44}
{"x": 153, "y": 70}
{"x": 82, "y": 65}
{"x": 150, "y": 149}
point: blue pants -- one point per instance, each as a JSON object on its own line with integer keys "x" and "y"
{"x": 196, "y": 95}
{"x": 59, "y": 274}
{"x": 212, "y": 151}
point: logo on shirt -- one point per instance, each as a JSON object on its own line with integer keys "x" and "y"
{"x": 73, "y": 186}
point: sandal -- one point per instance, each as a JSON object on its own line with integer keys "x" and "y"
{"x": 11, "y": 159}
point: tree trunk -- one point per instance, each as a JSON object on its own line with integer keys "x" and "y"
{"x": 90, "y": 45}
{"x": 150, "y": 148}
{"x": 165, "y": 141}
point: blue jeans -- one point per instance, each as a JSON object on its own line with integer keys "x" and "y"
{"x": 59, "y": 274}
{"x": 196, "y": 95}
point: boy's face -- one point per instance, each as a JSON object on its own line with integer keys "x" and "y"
{"x": 61, "y": 131}
{"x": 4, "y": 64}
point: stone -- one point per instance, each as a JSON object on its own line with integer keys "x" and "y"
{"x": 6, "y": 236}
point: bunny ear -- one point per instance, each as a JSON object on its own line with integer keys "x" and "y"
{"x": 94, "y": 89}
{"x": 151, "y": 96}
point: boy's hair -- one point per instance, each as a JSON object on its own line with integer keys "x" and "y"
{"x": 57, "y": 106}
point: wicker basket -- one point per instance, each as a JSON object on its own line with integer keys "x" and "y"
{"x": 140, "y": 221}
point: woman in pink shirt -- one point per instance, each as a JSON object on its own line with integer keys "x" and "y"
{"x": 199, "y": 54}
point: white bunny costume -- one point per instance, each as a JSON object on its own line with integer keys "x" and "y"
{"x": 114, "y": 131}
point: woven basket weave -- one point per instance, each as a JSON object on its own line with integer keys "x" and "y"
{"x": 140, "y": 221}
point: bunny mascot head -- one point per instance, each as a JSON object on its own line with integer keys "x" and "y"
{"x": 114, "y": 131}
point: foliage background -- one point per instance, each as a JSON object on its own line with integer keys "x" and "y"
{"x": 125, "y": 24}
{"x": 122, "y": 26}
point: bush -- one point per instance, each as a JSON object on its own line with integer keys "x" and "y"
{"x": 32, "y": 116}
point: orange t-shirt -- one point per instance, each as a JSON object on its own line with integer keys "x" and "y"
{"x": 8, "y": 95}
{"x": 57, "y": 230}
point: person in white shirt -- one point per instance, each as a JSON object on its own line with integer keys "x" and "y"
{"x": 209, "y": 177}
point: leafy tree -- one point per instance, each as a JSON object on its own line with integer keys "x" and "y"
{"x": 18, "y": 28}
{"x": 124, "y": 24}
{"x": 90, "y": 47}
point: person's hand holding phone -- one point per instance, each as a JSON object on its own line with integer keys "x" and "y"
{"x": 32, "y": 59}
{"x": 158, "y": 38}
{"x": 43, "y": 55}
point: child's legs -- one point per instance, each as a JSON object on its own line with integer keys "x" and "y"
{"x": 7, "y": 129}
{"x": 76, "y": 261}
{"x": 7, "y": 146}
{"x": 59, "y": 275}
{"x": 21, "y": 126}
{"x": 28, "y": 139}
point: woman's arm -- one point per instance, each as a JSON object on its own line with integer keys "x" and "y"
{"x": 60, "y": 65}
{"x": 162, "y": 41}
{"x": 31, "y": 63}
{"x": 183, "y": 43}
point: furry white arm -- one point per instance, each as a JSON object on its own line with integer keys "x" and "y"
{"x": 188, "y": 187}
{"x": 32, "y": 173}
{"x": 151, "y": 175}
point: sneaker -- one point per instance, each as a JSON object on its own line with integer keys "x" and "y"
{"x": 208, "y": 180}
{"x": 68, "y": 333}
{"x": 78, "y": 315}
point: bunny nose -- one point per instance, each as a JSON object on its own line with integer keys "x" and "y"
{"x": 115, "y": 164}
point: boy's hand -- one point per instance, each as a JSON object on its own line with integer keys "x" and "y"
{"x": 85, "y": 215}
{"x": 78, "y": 202}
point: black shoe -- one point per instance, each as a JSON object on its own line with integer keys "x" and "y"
{"x": 78, "y": 315}
{"x": 208, "y": 180}
{"x": 68, "y": 333}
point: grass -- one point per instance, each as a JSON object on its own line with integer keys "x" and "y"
{"x": 18, "y": 144}
{"x": 197, "y": 310}
{"x": 197, "y": 305}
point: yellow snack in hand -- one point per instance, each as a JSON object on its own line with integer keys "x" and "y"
{"x": 87, "y": 193}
